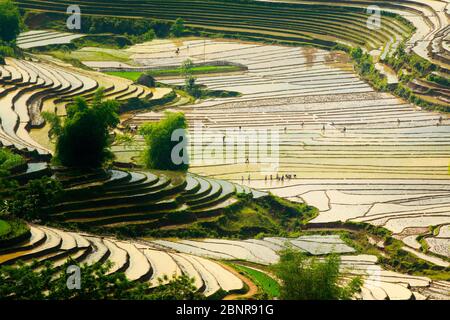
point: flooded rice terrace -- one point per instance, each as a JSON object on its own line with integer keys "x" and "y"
{"x": 354, "y": 153}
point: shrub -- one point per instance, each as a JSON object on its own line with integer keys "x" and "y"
{"x": 141, "y": 104}
{"x": 418, "y": 66}
{"x": 33, "y": 200}
{"x": 366, "y": 69}
{"x": 189, "y": 80}
{"x": 306, "y": 278}
{"x": 191, "y": 87}
{"x": 146, "y": 80}
{"x": 8, "y": 161}
{"x": 445, "y": 82}
{"x": 17, "y": 229}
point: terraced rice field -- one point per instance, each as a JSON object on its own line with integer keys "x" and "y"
{"x": 28, "y": 87}
{"x": 438, "y": 244}
{"x": 139, "y": 261}
{"x": 42, "y": 38}
{"x": 322, "y": 23}
{"x": 357, "y": 155}
{"x": 429, "y": 17}
{"x": 262, "y": 251}
{"x": 319, "y": 24}
{"x": 151, "y": 200}
{"x": 151, "y": 260}
{"x": 381, "y": 284}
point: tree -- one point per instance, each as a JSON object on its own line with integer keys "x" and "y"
{"x": 161, "y": 150}
{"x": 10, "y": 21}
{"x": 306, "y": 278}
{"x": 177, "y": 28}
{"x": 189, "y": 80}
{"x": 191, "y": 87}
{"x": 27, "y": 282}
{"x": 83, "y": 140}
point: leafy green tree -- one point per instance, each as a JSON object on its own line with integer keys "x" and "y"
{"x": 27, "y": 282}
{"x": 10, "y": 21}
{"x": 149, "y": 35}
{"x": 83, "y": 140}
{"x": 178, "y": 28}
{"x": 192, "y": 87}
{"x": 158, "y": 138}
{"x": 33, "y": 200}
{"x": 190, "y": 84}
{"x": 308, "y": 278}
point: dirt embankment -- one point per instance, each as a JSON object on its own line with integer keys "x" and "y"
{"x": 252, "y": 288}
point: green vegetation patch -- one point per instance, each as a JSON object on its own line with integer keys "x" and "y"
{"x": 269, "y": 286}
{"x": 267, "y": 216}
{"x": 5, "y": 228}
{"x": 134, "y": 104}
{"x": 442, "y": 81}
{"x": 12, "y": 228}
{"x": 311, "y": 278}
{"x": 95, "y": 54}
{"x": 134, "y": 75}
{"x": 130, "y": 75}
{"x": 83, "y": 139}
{"x": 9, "y": 161}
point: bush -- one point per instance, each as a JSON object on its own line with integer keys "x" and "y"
{"x": 6, "y": 50}
{"x": 17, "y": 229}
{"x": 8, "y": 161}
{"x": 141, "y": 104}
{"x": 306, "y": 278}
{"x": 158, "y": 137}
{"x": 146, "y": 80}
{"x": 445, "y": 82}
{"x": 417, "y": 65}
{"x": 366, "y": 69}
{"x": 34, "y": 199}
{"x": 190, "y": 85}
